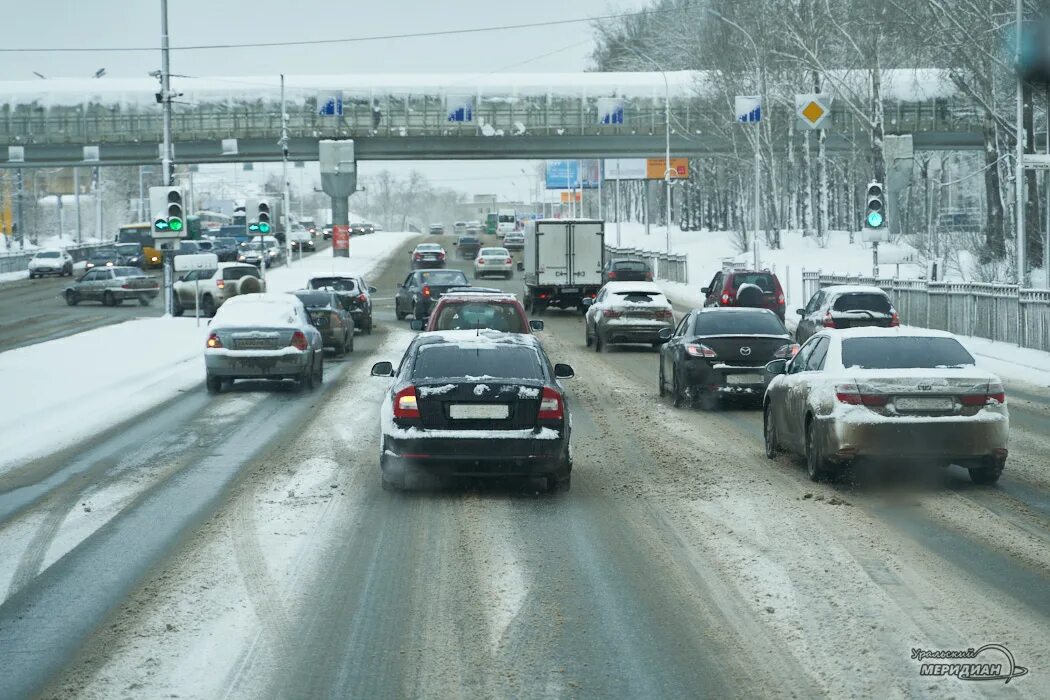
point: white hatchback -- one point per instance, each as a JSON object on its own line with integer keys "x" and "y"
{"x": 494, "y": 261}
{"x": 51, "y": 261}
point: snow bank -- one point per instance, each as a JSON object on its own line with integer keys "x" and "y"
{"x": 1010, "y": 362}
{"x": 72, "y": 388}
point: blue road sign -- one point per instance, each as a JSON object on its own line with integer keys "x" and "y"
{"x": 610, "y": 110}
{"x": 748, "y": 108}
{"x": 330, "y": 105}
{"x": 460, "y": 109}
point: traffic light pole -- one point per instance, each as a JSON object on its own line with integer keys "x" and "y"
{"x": 166, "y": 157}
{"x": 1019, "y": 179}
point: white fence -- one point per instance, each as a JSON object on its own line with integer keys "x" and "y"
{"x": 669, "y": 267}
{"x": 993, "y": 311}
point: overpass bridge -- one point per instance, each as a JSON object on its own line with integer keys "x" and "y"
{"x": 399, "y": 117}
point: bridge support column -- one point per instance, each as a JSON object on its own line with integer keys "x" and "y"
{"x": 339, "y": 181}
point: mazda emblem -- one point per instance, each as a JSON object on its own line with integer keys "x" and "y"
{"x": 745, "y": 351}
{"x": 926, "y": 387}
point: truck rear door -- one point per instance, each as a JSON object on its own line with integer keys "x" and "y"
{"x": 552, "y": 253}
{"x": 586, "y": 253}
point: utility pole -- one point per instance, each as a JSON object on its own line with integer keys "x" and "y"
{"x": 1019, "y": 181}
{"x": 20, "y": 179}
{"x": 98, "y": 202}
{"x": 76, "y": 202}
{"x": 167, "y": 160}
{"x": 284, "y": 179}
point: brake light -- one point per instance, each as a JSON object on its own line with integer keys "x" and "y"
{"x": 220, "y": 283}
{"x": 481, "y": 261}
{"x": 441, "y": 255}
{"x": 700, "y": 350}
{"x": 509, "y": 261}
{"x": 419, "y": 256}
{"x": 298, "y": 341}
{"x": 664, "y": 313}
{"x": 851, "y": 395}
{"x": 611, "y": 313}
{"x": 993, "y": 394}
{"x": 895, "y": 320}
{"x": 544, "y": 295}
{"x": 426, "y": 290}
{"x": 214, "y": 342}
{"x": 126, "y": 285}
{"x": 829, "y": 322}
{"x": 728, "y": 298}
{"x": 551, "y": 405}
{"x": 786, "y": 352}
{"x": 405, "y": 403}
{"x": 612, "y": 275}
{"x": 648, "y": 277}
{"x": 362, "y": 298}
{"x": 780, "y": 298}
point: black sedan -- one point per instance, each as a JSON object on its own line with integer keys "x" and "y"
{"x": 718, "y": 352}
{"x": 104, "y": 257}
{"x": 442, "y": 418}
{"x": 421, "y": 290}
{"x": 329, "y": 317}
{"x": 354, "y": 294}
{"x": 467, "y": 247}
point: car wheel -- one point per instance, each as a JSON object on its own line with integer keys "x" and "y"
{"x": 176, "y": 306}
{"x": 388, "y": 481}
{"x": 306, "y": 380}
{"x": 769, "y": 431}
{"x": 816, "y": 465}
{"x": 989, "y": 473}
{"x": 598, "y": 345}
{"x": 213, "y": 384}
{"x": 107, "y": 299}
{"x": 397, "y": 312}
{"x": 144, "y": 300}
{"x": 339, "y": 348}
{"x": 319, "y": 377}
{"x": 587, "y": 335}
{"x": 72, "y": 298}
{"x": 67, "y": 270}
{"x": 350, "y": 343}
{"x": 32, "y": 276}
{"x": 207, "y": 306}
{"x": 662, "y": 390}
{"x": 368, "y": 326}
{"x": 677, "y": 399}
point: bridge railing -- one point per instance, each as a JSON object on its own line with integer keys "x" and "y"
{"x": 665, "y": 266}
{"x": 1000, "y": 312}
{"x": 19, "y": 261}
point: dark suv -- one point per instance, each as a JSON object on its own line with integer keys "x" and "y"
{"x": 353, "y": 293}
{"x": 626, "y": 270}
{"x": 746, "y": 288}
{"x": 846, "y": 306}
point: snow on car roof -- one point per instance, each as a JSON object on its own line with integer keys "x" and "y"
{"x": 266, "y": 309}
{"x": 640, "y": 287}
{"x": 853, "y": 289}
{"x": 896, "y": 332}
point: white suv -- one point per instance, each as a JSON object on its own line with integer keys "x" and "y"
{"x": 50, "y": 261}
{"x": 210, "y": 288}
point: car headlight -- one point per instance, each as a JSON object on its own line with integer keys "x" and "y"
{"x": 241, "y": 258}
{"x": 154, "y": 259}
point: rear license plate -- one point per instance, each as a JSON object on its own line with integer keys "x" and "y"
{"x": 467, "y": 411}
{"x": 743, "y": 379}
{"x": 255, "y": 344}
{"x": 925, "y": 403}
{"x": 570, "y": 290}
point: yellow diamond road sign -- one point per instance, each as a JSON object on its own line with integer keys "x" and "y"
{"x": 814, "y": 109}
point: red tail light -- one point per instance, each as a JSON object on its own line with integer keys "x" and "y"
{"x": 786, "y": 352}
{"x": 612, "y": 274}
{"x": 551, "y": 407}
{"x": 994, "y": 394}
{"x": 213, "y": 341}
{"x": 611, "y": 313}
{"x": 126, "y": 285}
{"x": 851, "y": 395}
{"x": 509, "y": 261}
{"x": 299, "y": 341}
{"x": 426, "y": 291}
{"x": 780, "y": 298}
{"x": 418, "y": 256}
{"x": 405, "y": 403}
{"x": 220, "y": 283}
{"x": 664, "y": 313}
{"x": 362, "y": 298}
{"x": 829, "y": 322}
{"x": 648, "y": 277}
{"x": 441, "y": 255}
{"x": 698, "y": 350}
{"x": 728, "y": 298}
{"x": 481, "y": 261}
{"x": 895, "y": 320}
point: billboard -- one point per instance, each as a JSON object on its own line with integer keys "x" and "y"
{"x": 655, "y": 167}
{"x": 644, "y": 168}
{"x": 573, "y": 174}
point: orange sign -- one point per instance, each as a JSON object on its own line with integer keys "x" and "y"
{"x": 566, "y": 197}
{"x": 655, "y": 167}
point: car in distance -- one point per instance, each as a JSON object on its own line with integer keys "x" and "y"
{"x": 327, "y": 314}
{"x": 353, "y": 292}
{"x": 422, "y": 288}
{"x": 131, "y": 254}
{"x": 746, "y": 288}
{"x": 871, "y": 394}
{"x": 514, "y": 240}
{"x": 477, "y": 404}
{"x": 467, "y": 246}
{"x": 427, "y": 255}
{"x": 112, "y": 286}
{"x": 50, "y": 261}
{"x": 263, "y": 336}
{"x": 721, "y": 352}
{"x": 436, "y": 229}
{"x": 627, "y": 270}
{"x": 846, "y": 306}
{"x": 103, "y": 257}
{"x": 226, "y": 249}
{"x": 361, "y": 228}
{"x": 493, "y": 261}
{"x": 627, "y": 312}
{"x": 491, "y": 309}
{"x": 213, "y": 288}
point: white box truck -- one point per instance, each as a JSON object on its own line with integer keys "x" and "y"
{"x": 563, "y": 262}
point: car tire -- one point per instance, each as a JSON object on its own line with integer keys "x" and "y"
{"x": 319, "y": 376}
{"x": 108, "y": 299}
{"x": 598, "y": 345}
{"x": 559, "y": 484}
{"x": 339, "y": 348}
{"x": 207, "y": 306}
{"x": 587, "y": 335}
{"x": 213, "y": 384}
{"x": 397, "y": 312}
{"x": 368, "y": 326}
{"x": 32, "y": 276}
{"x": 176, "y": 306}
{"x": 67, "y": 270}
{"x": 816, "y": 465}
{"x": 349, "y": 347}
{"x": 306, "y": 380}
{"x": 72, "y": 298}
{"x": 144, "y": 300}
{"x": 677, "y": 398}
{"x": 988, "y": 473}
{"x": 661, "y": 390}
{"x": 769, "y": 433}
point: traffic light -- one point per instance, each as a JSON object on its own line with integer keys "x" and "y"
{"x": 264, "y": 217}
{"x": 257, "y": 212}
{"x": 166, "y": 210}
{"x": 876, "y": 210}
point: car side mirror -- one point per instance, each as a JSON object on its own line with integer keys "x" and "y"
{"x": 587, "y": 301}
{"x": 777, "y": 367}
{"x": 800, "y": 312}
{"x": 416, "y": 324}
{"x": 563, "y": 371}
{"x": 666, "y": 334}
{"x": 521, "y": 266}
{"x": 383, "y": 369}
{"x": 705, "y": 290}
{"x": 372, "y": 290}
{"x": 536, "y": 325}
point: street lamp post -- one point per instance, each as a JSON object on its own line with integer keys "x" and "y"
{"x": 667, "y": 138}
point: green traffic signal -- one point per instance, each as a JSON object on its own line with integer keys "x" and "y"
{"x": 874, "y": 219}
{"x": 175, "y": 224}
{"x": 254, "y": 228}
{"x": 161, "y": 225}
{"x": 264, "y": 227}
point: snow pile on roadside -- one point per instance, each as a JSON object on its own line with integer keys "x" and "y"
{"x": 72, "y": 388}
{"x": 366, "y": 253}
{"x": 1010, "y": 362}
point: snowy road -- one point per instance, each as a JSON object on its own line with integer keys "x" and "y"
{"x": 681, "y": 564}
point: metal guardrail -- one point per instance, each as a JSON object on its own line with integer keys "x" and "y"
{"x": 668, "y": 267}
{"x": 999, "y": 312}
{"x": 18, "y": 262}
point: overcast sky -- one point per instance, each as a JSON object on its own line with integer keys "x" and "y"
{"x": 136, "y": 23}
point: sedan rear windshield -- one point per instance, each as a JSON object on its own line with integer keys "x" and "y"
{"x": 493, "y": 252}
{"x": 315, "y": 300}
{"x": 638, "y": 297}
{"x": 863, "y": 302}
{"x": 904, "y": 353}
{"x": 438, "y": 361}
{"x": 470, "y": 315}
{"x": 468, "y": 241}
{"x": 49, "y": 254}
{"x": 738, "y": 323}
{"x": 428, "y": 246}
{"x": 444, "y": 277}
{"x": 339, "y": 284}
{"x": 762, "y": 280}
{"x": 631, "y": 266}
